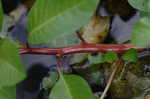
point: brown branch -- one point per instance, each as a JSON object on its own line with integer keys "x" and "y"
{"x": 58, "y": 66}
{"x": 83, "y": 48}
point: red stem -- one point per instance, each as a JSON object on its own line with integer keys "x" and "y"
{"x": 83, "y": 48}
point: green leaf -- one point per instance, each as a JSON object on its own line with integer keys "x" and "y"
{"x": 71, "y": 87}
{"x": 141, "y": 32}
{"x": 8, "y": 93}
{"x": 131, "y": 55}
{"x": 110, "y": 57}
{"x": 96, "y": 59}
{"x": 64, "y": 40}
{"x": 142, "y": 5}
{"x": 55, "y": 21}
{"x": 1, "y": 16}
{"x": 11, "y": 66}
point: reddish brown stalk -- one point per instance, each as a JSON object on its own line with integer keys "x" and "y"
{"x": 83, "y": 48}
{"x": 58, "y": 66}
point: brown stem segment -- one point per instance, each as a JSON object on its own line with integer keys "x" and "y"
{"x": 58, "y": 66}
{"x": 83, "y": 48}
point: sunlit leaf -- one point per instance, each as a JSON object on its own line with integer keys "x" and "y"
{"x": 141, "y": 32}
{"x": 71, "y": 87}
{"x": 11, "y": 66}
{"x": 55, "y": 21}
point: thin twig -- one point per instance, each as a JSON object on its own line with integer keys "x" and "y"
{"x": 58, "y": 66}
{"x": 110, "y": 80}
{"x": 123, "y": 72}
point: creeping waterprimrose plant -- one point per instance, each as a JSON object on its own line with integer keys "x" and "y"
{"x": 60, "y": 25}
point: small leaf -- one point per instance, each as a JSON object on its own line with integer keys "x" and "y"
{"x": 71, "y": 87}
{"x": 110, "y": 57}
{"x": 8, "y": 92}
{"x": 131, "y": 55}
{"x": 55, "y": 21}
{"x": 96, "y": 59}
{"x": 11, "y": 66}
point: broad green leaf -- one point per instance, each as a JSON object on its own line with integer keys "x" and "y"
{"x": 142, "y": 5}
{"x": 71, "y": 87}
{"x": 8, "y": 93}
{"x": 131, "y": 55}
{"x": 55, "y": 21}
{"x": 96, "y": 59}
{"x": 1, "y": 16}
{"x": 11, "y": 66}
{"x": 110, "y": 57}
{"x": 141, "y": 32}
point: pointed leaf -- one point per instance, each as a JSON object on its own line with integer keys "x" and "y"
{"x": 53, "y": 20}
{"x": 71, "y": 87}
{"x": 11, "y": 66}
